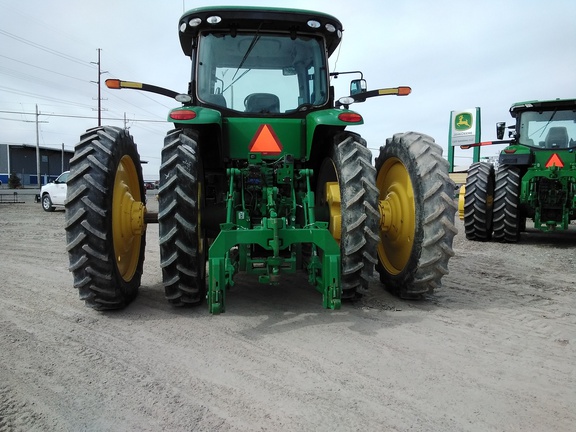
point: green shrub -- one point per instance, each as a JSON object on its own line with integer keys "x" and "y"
{"x": 14, "y": 181}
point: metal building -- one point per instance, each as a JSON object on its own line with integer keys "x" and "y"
{"x": 21, "y": 159}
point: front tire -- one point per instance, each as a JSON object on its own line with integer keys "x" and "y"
{"x": 47, "y": 203}
{"x": 181, "y": 205}
{"x": 418, "y": 209}
{"x": 105, "y": 230}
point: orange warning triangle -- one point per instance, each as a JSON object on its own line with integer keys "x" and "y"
{"x": 265, "y": 141}
{"x": 555, "y": 160}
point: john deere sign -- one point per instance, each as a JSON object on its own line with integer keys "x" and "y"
{"x": 465, "y": 127}
{"x": 463, "y": 121}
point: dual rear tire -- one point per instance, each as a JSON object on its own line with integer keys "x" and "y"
{"x": 479, "y": 202}
{"x": 492, "y": 203}
{"x": 398, "y": 215}
{"x": 507, "y": 213}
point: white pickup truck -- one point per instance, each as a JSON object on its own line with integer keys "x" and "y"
{"x": 54, "y": 193}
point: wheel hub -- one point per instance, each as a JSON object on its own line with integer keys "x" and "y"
{"x": 397, "y": 215}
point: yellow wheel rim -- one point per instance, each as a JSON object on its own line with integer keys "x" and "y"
{"x": 398, "y": 215}
{"x": 329, "y": 194}
{"x": 127, "y": 218}
{"x": 334, "y": 205}
{"x": 462, "y": 202}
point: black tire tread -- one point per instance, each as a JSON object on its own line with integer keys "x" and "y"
{"x": 353, "y": 161}
{"x": 506, "y": 205}
{"x": 88, "y": 221}
{"x": 183, "y": 272}
{"x": 479, "y": 201}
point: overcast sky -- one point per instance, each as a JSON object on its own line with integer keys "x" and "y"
{"x": 454, "y": 54}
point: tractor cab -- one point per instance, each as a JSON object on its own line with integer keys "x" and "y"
{"x": 546, "y": 125}
{"x": 253, "y": 63}
{"x": 542, "y": 128}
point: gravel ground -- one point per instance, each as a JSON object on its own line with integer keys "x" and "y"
{"x": 493, "y": 350}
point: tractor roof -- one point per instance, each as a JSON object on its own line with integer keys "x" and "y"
{"x": 263, "y": 19}
{"x": 546, "y": 105}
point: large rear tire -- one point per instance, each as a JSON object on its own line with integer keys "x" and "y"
{"x": 352, "y": 210}
{"x": 181, "y": 203}
{"x": 418, "y": 209}
{"x": 105, "y": 230}
{"x": 479, "y": 202}
{"x": 507, "y": 223}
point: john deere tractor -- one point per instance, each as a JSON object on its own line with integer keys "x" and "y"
{"x": 260, "y": 175}
{"x": 536, "y": 176}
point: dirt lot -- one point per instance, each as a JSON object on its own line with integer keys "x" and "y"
{"x": 493, "y": 350}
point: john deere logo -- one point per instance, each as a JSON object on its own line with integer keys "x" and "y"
{"x": 463, "y": 121}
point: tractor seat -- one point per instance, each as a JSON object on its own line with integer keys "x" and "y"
{"x": 262, "y": 103}
{"x": 557, "y": 138}
{"x": 215, "y": 99}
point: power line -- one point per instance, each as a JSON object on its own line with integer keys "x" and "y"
{"x": 18, "y": 120}
{"x": 46, "y": 49}
{"x": 78, "y": 116}
{"x": 44, "y": 69}
{"x": 37, "y": 96}
{"x": 115, "y": 95}
{"x": 11, "y": 72}
{"x": 27, "y": 77}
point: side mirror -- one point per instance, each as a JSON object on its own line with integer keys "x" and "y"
{"x": 358, "y": 86}
{"x": 500, "y": 127}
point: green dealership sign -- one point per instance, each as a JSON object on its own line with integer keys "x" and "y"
{"x": 465, "y": 127}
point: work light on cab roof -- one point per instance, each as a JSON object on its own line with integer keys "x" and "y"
{"x": 293, "y": 21}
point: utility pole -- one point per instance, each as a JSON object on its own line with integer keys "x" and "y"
{"x": 37, "y": 121}
{"x": 37, "y": 150}
{"x": 99, "y": 93}
{"x": 125, "y": 121}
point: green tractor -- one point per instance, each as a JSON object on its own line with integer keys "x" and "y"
{"x": 536, "y": 176}
{"x": 260, "y": 175}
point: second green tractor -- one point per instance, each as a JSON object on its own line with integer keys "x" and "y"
{"x": 535, "y": 178}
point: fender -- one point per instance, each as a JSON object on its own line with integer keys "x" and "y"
{"x": 337, "y": 118}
